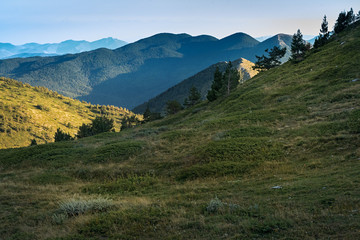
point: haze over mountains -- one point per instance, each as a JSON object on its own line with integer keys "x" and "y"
{"x": 131, "y": 75}
{"x": 8, "y": 50}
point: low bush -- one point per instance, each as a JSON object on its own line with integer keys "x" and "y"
{"x": 74, "y": 207}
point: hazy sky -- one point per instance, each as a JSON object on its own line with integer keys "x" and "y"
{"x": 43, "y": 21}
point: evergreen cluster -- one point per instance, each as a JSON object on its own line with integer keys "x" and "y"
{"x": 344, "y": 20}
{"x": 98, "y": 125}
{"x": 324, "y": 34}
{"x": 298, "y": 47}
{"x": 129, "y": 122}
{"x": 193, "y": 98}
{"x": 150, "y": 116}
{"x": 173, "y": 107}
{"x": 264, "y": 63}
{"x": 223, "y": 83}
{"x": 60, "y": 136}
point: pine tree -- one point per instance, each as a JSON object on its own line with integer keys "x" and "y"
{"x": 173, "y": 107}
{"x": 340, "y": 24}
{"x": 231, "y": 79}
{"x": 147, "y": 114}
{"x": 85, "y": 130}
{"x": 324, "y": 34}
{"x": 350, "y": 17}
{"x": 33, "y": 142}
{"x": 298, "y": 47}
{"x": 265, "y": 63}
{"x": 216, "y": 86}
{"x": 102, "y": 124}
{"x": 193, "y": 98}
{"x": 62, "y": 136}
{"x": 129, "y": 122}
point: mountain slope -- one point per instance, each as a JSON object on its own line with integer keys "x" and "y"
{"x": 8, "y": 50}
{"x": 28, "y": 113}
{"x": 277, "y": 159}
{"x": 202, "y": 81}
{"x": 131, "y": 75}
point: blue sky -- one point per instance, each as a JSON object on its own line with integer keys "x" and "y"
{"x": 43, "y": 21}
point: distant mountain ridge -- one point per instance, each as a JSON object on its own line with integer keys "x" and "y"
{"x": 133, "y": 74}
{"x": 8, "y": 50}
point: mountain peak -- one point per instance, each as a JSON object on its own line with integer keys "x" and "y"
{"x": 238, "y": 40}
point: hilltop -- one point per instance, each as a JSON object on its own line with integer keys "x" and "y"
{"x": 133, "y": 74}
{"x": 28, "y": 113}
{"x": 202, "y": 81}
{"x": 276, "y": 159}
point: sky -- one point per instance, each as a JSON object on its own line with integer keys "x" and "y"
{"x": 49, "y": 21}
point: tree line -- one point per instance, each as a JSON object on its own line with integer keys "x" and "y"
{"x": 299, "y": 47}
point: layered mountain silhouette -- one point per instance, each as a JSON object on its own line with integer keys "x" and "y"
{"x": 202, "y": 81}
{"x": 130, "y": 75}
{"x": 8, "y": 50}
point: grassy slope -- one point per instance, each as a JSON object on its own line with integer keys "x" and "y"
{"x": 35, "y": 113}
{"x": 296, "y": 126}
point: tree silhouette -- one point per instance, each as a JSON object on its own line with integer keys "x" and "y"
{"x": 193, "y": 97}
{"x": 264, "y": 63}
{"x": 298, "y": 47}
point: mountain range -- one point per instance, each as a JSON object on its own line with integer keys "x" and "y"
{"x": 133, "y": 74}
{"x": 8, "y": 50}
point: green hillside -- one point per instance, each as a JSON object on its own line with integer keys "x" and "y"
{"x": 277, "y": 159}
{"x": 131, "y": 75}
{"x": 28, "y": 113}
{"x": 202, "y": 81}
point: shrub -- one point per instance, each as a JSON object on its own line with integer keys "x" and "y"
{"x": 98, "y": 125}
{"x": 33, "y": 142}
{"x": 74, "y": 207}
{"x": 62, "y": 136}
{"x": 173, "y": 107}
{"x": 102, "y": 124}
{"x": 215, "y": 205}
{"x": 58, "y": 218}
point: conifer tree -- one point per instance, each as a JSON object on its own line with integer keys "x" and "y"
{"x": 33, "y": 142}
{"x": 298, "y": 47}
{"x": 216, "y": 86}
{"x": 231, "y": 79}
{"x": 350, "y": 17}
{"x": 173, "y": 107}
{"x": 264, "y": 63}
{"x": 147, "y": 114}
{"x": 324, "y": 34}
{"x": 129, "y": 122}
{"x": 340, "y": 24}
{"x": 98, "y": 125}
{"x": 193, "y": 98}
{"x": 102, "y": 124}
{"x": 62, "y": 136}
